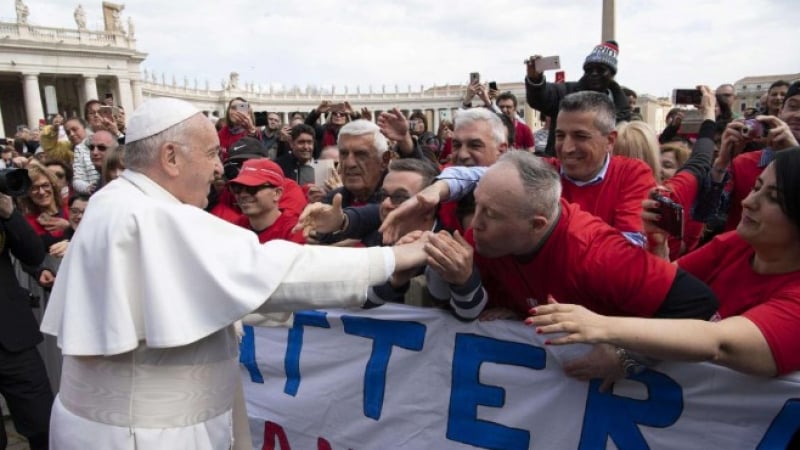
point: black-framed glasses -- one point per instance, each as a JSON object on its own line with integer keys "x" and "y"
{"x": 236, "y": 188}
{"x": 100, "y": 147}
{"x": 76, "y": 211}
{"x": 339, "y": 113}
{"x": 396, "y": 199}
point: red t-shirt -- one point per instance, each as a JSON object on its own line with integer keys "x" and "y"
{"x": 584, "y": 261}
{"x": 772, "y": 302}
{"x": 281, "y": 229}
{"x": 617, "y": 199}
{"x": 523, "y": 136}
{"x": 744, "y": 171}
{"x": 293, "y": 201}
{"x": 683, "y": 190}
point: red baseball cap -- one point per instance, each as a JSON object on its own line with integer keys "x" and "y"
{"x": 258, "y": 172}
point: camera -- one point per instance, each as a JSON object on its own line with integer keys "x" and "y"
{"x": 754, "y": 129}
{"x": 14, "y": 182}
{"x": 671, "y": 215}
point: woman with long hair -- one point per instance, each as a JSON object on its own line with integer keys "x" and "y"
{"x": 43, "y": 206}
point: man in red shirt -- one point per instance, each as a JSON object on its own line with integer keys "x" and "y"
{"x": 523, "y": 137}
{"x": 258, "y": 189}
{"x": 610, "y": 187}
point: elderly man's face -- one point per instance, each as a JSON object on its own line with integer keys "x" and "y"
{"x": 360, "y": 164}
{"x": 580, "y": 146}
{"x": 197, "y": 156}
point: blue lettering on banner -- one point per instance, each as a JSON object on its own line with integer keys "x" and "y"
{"x": 467, "y": 393}
{"x": 247, "y": 355}
{"x": 783, "y": 427}
{"x": 609, "y": 415}
{"x": 291, "y": 362}
{"x": 385, "y": 335}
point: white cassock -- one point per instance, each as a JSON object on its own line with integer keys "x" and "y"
{"x": 143, "y": 306}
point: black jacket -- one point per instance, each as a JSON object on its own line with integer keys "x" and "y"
{"x": 18, "y": 327}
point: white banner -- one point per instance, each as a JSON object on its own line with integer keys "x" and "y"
{"x": 401, "y": 377}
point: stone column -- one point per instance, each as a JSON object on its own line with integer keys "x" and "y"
{"x": 285, "y": 117}
{"x": 125, "y": 94}
{"x": 33, "y": 100}
{"x": 609, "y": 14}
{"x": 136, "y": 87}
{"x": 3, "y": 125}
{"x": 89, "y": 89}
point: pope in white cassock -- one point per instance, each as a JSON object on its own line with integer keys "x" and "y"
{"x": 145, "y": 299}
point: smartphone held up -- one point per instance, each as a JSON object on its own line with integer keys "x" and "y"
{"x": 670, "y": 214}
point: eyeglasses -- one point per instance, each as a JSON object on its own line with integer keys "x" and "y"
{"x": 100, "y": 147}
{"x": 59, "y": 175}
{"x": 339, "y": 114}
{"x": 396, "y": 198}
{"x": 41, "y": 187}
{"x": 252, "y": 190}
{"x": 76, "y": 211}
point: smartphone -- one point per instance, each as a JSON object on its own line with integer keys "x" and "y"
{"x": 474, "y": 77}
{"x": 106, "y": 110}
{"x": 493, "y": 85}
{"x": 687, "y": 96}
{"x": 671, "y": 215}
{"x": 547, "y": 63}
{"x": 243, "y": 107}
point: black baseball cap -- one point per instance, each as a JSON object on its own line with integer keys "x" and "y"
{"x": 247, "y": 148}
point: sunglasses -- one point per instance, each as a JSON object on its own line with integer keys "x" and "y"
{"x": 339, "y": 113}
{"x": 252, "y": 190}
{"x": 100, "y": 147}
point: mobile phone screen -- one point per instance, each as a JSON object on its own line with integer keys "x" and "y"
{"x": 687, "y": 96}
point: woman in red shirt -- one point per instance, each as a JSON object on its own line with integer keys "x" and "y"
{"x": 755, "y": 272}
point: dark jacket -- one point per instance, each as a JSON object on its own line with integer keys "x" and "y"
{"x": 546, "y": 98}
{"x": 18, "y": 327}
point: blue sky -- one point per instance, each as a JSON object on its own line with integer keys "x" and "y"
{"x": 663, "y": 45}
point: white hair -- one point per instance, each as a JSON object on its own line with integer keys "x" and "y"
{"x": 361, "y": 127}
{"x": 468, "y": 116}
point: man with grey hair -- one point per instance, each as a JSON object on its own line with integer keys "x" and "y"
{"x": 479, "y": 137}
{"x": 363, "y": 157}
{"x": 146, "y": 297}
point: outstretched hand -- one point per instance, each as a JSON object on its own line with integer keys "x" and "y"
{"x": 450, "y": 257}
{"x": 420, "y": 205}
{"x": 319, "y": 218}
{"x": 578, "y": 323}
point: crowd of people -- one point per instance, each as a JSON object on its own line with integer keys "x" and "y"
{"x": 678, "y": 245}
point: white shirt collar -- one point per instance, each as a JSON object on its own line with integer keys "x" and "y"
{"x": 596, "y": 179}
